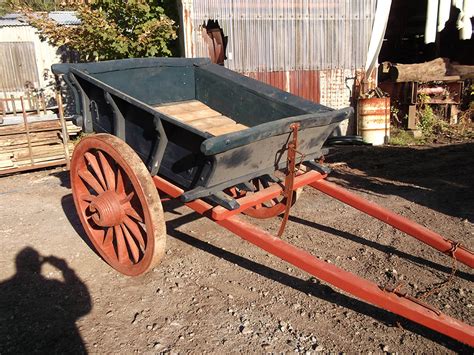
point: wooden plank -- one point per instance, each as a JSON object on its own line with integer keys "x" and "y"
{"x": 207, "y": 123}
{"x": 43, "y": 150}
{"x": 194, "y": 115}
{"x": 182, "y": 107}
{"x": 34, "y": 127}
{"x": 218, "y": 131}
{"x": 35, "y": 166}
{"x": 200, "y": 116}
{"x": 14, "y": 140}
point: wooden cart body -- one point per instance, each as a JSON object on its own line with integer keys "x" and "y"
{"x": 238, "y": 130}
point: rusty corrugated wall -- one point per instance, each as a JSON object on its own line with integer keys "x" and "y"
{"x": 18, "y": 68}
{"x": 304, "y": 83}
{"x": 286, "y": 35}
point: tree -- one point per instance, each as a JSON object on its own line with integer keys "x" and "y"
{"x": 111, "y": 29}
{"x": 36, "y": 5}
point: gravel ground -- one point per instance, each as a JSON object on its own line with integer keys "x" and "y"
{"x": 214, "y": 292}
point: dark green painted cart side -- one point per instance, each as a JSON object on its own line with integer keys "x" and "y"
{"x": 121, "y": 98}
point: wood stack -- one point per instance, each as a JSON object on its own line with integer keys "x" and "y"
{"x": 439, "y": 69}
{"x": 42, "y": 146}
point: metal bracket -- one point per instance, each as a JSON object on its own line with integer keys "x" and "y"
{"x": 290, "y": 175}
{"x": 160, "y": 147}
{"x": 87, "y": 125}
{"x": 119, "y": 120}
{"x": 399, "y": 293}
{"x": 318, "y": 167}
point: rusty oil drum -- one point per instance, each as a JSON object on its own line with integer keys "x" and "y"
{"x": 374, "y": 120}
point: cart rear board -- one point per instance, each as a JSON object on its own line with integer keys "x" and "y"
{"x": 198, "y": 124}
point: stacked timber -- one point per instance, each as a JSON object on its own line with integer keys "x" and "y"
{"x": 439, "y": 69}
{"x": 39, "y": 144}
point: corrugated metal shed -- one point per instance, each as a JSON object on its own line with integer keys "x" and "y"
{"x": 61, "y": 17}
{"x": 64, "y": 17}
{"x": 286, "y": 35}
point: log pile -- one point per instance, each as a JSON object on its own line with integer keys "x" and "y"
{"x": 42, "y": 146}
{"x": 439, "y": 69}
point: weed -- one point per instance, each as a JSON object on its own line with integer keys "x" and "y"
{"x": 428, "y": 121}
{"x": 403, "y": 137}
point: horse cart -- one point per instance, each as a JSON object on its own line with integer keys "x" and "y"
{"x": 224, "y": 144}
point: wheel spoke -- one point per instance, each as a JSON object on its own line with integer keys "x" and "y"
{"x": 108, "y": 172}
{"x": 270, "y": 203}
{"x": 90, "y": 180}
{"x": 88, "y": 198}
{"x": 122, "y": 252}
{"x": 275, "y": 201}
{"x": 132, "y": 244}
{"x": 256, "y": 184}
{"x": 128, "y": 198}
{"x": 265, "y": 183}
{"x": 108, "y": 238}
{"x": 130, "y": 211}
{"x": 135, "y": 230}
{"x": 95, "y": 166}
{"x": 120, "y": 185}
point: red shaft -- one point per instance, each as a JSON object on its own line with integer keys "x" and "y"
{"x": 351, "y": 283}
{"x": 401, "y": 223}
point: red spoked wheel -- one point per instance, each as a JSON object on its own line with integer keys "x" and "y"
{"x": 118, "y": 204}
{"x": 267, "y": 209}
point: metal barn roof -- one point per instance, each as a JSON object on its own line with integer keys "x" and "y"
{"x": 61, "y": 17}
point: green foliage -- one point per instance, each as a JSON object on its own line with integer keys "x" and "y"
{"x": 7, "y": 6}
{"x": 403, "y": 137}
{"x": 112, "y": 30}
{"x": 428, "y": 122}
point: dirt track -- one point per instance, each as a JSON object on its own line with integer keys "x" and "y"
{"x": 216, "y": 293}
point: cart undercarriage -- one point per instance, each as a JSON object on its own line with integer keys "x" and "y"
{"x": 120, "y": 209}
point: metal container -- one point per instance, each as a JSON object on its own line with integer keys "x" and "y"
{"x": 374, "y": 120}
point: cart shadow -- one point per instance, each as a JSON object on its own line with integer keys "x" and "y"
{"x": 63, "y": 177}
{"x": 383, "y": 248}
{"x": 438, "y": 177}
{"x": 309, "y": 286}
{"x": 67, "y": 203}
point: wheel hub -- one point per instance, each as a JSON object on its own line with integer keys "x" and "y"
{"x": 107, "y": 209}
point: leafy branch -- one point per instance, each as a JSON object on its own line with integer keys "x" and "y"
{"x": 111, "y": 30}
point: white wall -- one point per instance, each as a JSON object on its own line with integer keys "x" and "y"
{"x": 45, "y": 54}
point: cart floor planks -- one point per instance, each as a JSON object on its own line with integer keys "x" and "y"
{"x": 200, "y": 116}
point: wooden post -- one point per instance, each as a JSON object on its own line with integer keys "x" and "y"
{"x": 6, "y": 101}
{"x": 43, "y": 103}
{"x": 27, "y": 129}
{"x": 29, "y": 98}
{"x": 13, "y": 104}
{"x": 36, "y": 102}
{"x": 3, "y": 111}
{"x": 65, "y": 135}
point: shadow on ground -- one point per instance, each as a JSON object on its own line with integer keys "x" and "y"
{"x": 37, "y": 314}
{"x": 439, "y": 177}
